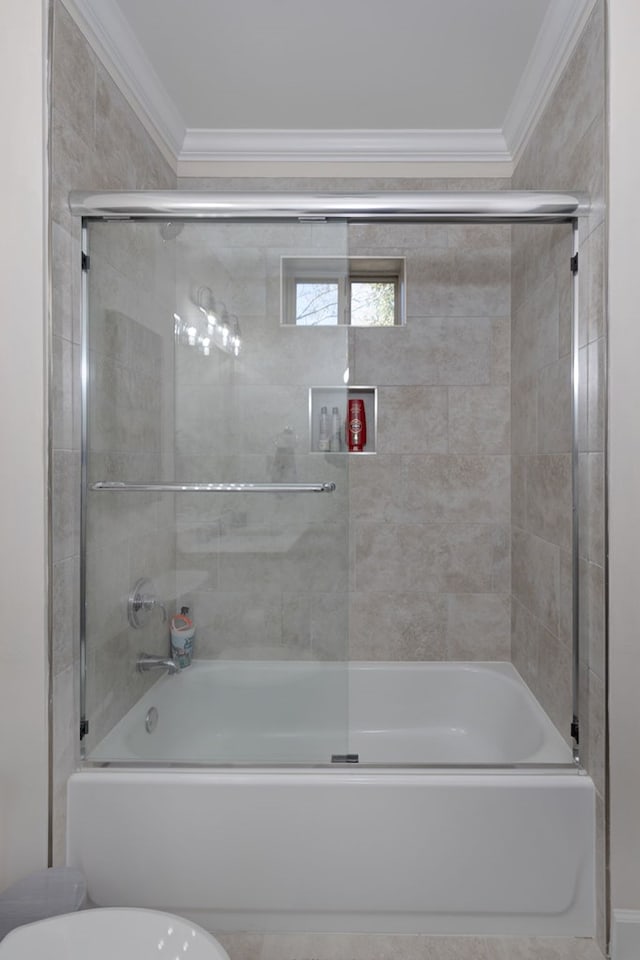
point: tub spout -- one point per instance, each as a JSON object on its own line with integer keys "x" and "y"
{"x": 147, "y": 661}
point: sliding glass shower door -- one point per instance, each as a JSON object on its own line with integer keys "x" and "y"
{"x": 215, "y": 483}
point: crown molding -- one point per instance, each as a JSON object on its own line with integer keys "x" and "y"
{"x": 193, "y": 170}
{"x": 335, "y": 146}
{"x": 561, "y": 28}
{"x": 117, "y": 47}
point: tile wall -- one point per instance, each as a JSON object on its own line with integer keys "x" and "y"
{"x": 96, "y": 142}
{"x": 265, "y": 575}
{"x": 428, "y": 514}
{"x": 566, "y": 150}
{"x": 542, "y": 466}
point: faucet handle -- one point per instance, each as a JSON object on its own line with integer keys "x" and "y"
{"x": 141, "y": 602}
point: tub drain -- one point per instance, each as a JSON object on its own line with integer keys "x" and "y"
{"x": 151, "y": 720}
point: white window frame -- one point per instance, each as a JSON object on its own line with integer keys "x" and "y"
{"x": 342, "y": 271}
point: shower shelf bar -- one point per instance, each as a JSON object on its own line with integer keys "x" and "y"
{"x": 504, "y": 206}
{"x": 114, "y": 486}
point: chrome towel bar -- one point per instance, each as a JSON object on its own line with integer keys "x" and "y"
{"x": 118, "y": 487}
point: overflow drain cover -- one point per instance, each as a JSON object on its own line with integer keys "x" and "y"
{"x": 151, "y": 720}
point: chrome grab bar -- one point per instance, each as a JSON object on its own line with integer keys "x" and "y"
{"x": 118, "y": 487}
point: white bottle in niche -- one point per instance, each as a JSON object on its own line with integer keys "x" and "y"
{"x": 335, "y": 444}
{"x": 324, "y": 433}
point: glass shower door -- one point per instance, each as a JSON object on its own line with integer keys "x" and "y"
{"x": 209, "y": 487}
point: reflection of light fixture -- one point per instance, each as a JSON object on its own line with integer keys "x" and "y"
{"x": 207, "y": 305}
{"x": 216, "y": 327}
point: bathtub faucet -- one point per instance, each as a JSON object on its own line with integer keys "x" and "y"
{"x": 147, "y": 661}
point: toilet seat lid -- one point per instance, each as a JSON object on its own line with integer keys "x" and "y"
{"x": 108, "y": 932}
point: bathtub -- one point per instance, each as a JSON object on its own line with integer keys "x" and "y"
{"x": 463, "y": 815}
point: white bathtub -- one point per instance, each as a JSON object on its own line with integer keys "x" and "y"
{"x": 291, "y": 711}
{"x": 350, "y": 848}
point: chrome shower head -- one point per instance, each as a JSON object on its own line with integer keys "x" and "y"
{"x": 171, "y": 229}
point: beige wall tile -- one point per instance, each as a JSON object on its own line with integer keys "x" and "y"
{"x": 459, "y": 281}
{"x": 78, "y": 162}
{"x": 554, "y": 407}
{"x": 478, "y": 627}
{"x": 412, "y": 420}
{"x": 524, "y": 413}
{"x": 596, "y": 392}
{"x": 526, "y": 633}
{"x": 124, "y": 153}
{"x": 566, "y": 148}
{"x": 554, "y": 681}
{"x": 535, "y": 576}
{"x": 519, "y": 491}
{"x": 565, "y": 598}
{"x": 430, "y": 351}
{"x": 592, "y": 617}
{"x": 479, "y": 419}
{"x": 397, "y": 626}
{"x": 549, "y": 498}
{"x": 73, "y": 74}
{"x": 597, "y": 731}
{"x": 594, "y": 290}
{"x": 591, "y": 506}
{"x": 457, "y": 488}
{"x": 330, "y": 626}
{"x": 534, "y": 329}
{"x": 501, "y": 343}
{"x": 430, "y": 557}
{"x": 65, "y": 512}
{"x": 377, "y": 488}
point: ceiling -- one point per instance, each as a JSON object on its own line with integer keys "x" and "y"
{"x": 404, "y": 80}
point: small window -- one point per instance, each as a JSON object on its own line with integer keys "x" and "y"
{"x": 328, "y": 291}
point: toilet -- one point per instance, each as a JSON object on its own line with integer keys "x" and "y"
{"x": 108, "y": 932}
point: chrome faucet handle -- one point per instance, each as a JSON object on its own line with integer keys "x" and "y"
{"x": 141, "y": 603}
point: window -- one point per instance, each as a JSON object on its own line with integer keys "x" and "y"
{"x": 327, "y": 291}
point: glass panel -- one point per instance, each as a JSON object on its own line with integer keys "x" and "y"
{"x": 192, "y": 378}
{"x": 457, "y": 485}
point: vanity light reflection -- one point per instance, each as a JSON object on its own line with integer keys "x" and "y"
{"x": 214, "y": 326}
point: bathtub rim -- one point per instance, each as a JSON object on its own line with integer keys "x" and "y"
{"x": 574, "y": 768}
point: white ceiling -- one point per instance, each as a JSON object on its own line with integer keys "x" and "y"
{"x": 391, "y": 64}
{"x": 415, "y": 80}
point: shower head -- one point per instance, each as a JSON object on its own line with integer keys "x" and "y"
{"x": 171, "y": 229}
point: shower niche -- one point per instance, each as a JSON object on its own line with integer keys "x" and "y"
{"x": 332, "y": 435}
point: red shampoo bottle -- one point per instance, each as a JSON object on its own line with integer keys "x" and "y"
{"x": 356, "y": 425}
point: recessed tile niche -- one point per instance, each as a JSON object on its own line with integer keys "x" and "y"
{"x": 337, "y": 399}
